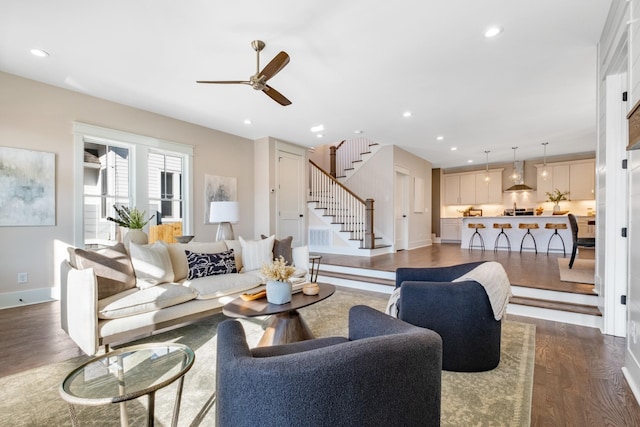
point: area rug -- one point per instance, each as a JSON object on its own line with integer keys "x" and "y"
{"x": 583, "y": 270}
{"x": 501, "y": 397}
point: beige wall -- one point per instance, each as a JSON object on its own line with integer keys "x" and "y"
{"x": 39, "y": 117}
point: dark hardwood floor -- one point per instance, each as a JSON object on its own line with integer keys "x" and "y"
{"x": 577, "y": 379}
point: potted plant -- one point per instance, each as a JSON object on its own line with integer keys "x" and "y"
{"x": 132, "y": 219}
{"x": 278, "y": 287}
{"x": 556, "y": 197}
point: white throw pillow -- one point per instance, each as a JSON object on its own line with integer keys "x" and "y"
{"x": 256, "y": 252}
{"x": 151, "y": 263}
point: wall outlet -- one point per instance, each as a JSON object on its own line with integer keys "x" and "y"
{"x": 23, "y": 278}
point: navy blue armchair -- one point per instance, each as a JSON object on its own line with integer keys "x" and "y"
{"x": 386, "y": 373}
{"x": 460, "y": 312}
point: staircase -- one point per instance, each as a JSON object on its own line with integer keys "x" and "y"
{"x": 337, "y": 211}
{"x": 349, "y": 155}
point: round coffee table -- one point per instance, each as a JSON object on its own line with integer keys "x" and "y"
{"x": 128, "y": 373}
{"x": 285, "y": 325}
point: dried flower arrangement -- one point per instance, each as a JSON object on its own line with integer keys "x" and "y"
{"x": 278, "y": 270}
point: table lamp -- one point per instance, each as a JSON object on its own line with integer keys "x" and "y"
{"x": 224, "y": 213}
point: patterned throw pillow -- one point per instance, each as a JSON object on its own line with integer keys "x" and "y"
{"x": 203, "y": 265}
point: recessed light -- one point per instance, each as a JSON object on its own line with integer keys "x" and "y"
{"x": 440, "y": 138}
{"x": 319, "y": 135}
{"x": 406, "y": 114}
{"x": 469, "y": 161}
{"x": 358, "y": 131}
{"x": 247, "y": 121}
{"x": 317, "y": 128}
{"x": 454, "y": 148}
{"x": 492, "y": 32}
{"x": 39, "y": 52}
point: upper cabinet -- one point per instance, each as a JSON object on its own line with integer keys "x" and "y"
{"x": 471, "y": 188}
{"x": 582, "y": 181}
{"x": 576, "y": 177}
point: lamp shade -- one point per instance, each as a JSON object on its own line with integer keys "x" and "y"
{"x": 223, "y": 212}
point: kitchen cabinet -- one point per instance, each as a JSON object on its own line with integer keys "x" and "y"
{"x": 450, "y": 229}
{"x": 470, "y": 188}
{"x": 491, "y": 192}
{"x": 584, "y": 228}
{"x": 558, "y": 178}
{"x": 467, "y": 189}
{"x": 576, "y": 177}
{"x": 582, "y": 181}
{"x": 451, "y": 189}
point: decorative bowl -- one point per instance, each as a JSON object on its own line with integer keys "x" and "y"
{"x": 184, "y": 239}
{"x": 560, "y": 212}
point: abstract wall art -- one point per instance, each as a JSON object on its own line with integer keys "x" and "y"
{"x": 27, "y": 187}
{"x": 218, "y": 189}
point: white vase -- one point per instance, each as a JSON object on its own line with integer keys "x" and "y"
{"x": 556, "y": 207}
{"x": 137, "y": 236}
{"x": 278, "y": 292}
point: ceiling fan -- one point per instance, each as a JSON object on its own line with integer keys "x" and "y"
{"x": 258, "y": 81}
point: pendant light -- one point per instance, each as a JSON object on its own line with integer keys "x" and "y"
{"x": 487, "y": 178}
{"x": 544, "y": 172}
{"x": 515, "y": 176}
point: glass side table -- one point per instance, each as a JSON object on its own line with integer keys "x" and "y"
{"x": 128, "y": 373}
{"x": 315, "y": 266}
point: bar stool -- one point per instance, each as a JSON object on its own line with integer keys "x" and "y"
{"x": 476, "y": 233}
{"x": 528, "y": 227}
{"x": 556, "y": 227}
{"x": 502, "y": 233}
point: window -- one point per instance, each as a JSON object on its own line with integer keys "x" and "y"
{"x": 165, "y": 186}
{"x": 114, "y": 167}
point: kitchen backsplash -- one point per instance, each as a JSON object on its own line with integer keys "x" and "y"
{"x": 525, "y": 200}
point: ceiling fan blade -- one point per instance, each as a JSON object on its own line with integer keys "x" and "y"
{"x": 276, "y": 96}
{"x": 275, "y": 66}
{"x": 224, "y": 82}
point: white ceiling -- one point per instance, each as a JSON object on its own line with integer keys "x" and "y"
{"x": 354, "y": 64}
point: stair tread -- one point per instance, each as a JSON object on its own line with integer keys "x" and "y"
{"x": 557, "y": 305}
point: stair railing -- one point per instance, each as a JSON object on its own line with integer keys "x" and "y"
{"x": 342, "y": 157}
{"x": 353, "y": 213}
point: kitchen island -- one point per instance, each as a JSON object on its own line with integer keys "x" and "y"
{"x": 515, "y": 234}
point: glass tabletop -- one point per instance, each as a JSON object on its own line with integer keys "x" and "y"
{"x": 127, "y": 373}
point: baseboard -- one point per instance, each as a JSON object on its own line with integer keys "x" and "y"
{"x": 28, "y": 297}
{"x": 631, "y": 372}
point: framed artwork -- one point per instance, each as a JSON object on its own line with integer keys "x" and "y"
{"x": 27, "y": 187}
{"x": 218, "y": 189}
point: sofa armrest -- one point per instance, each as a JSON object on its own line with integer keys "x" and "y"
{"x": 80, "y": 309}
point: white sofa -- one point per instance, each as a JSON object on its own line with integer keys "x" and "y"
{"x": 160, "y": 294}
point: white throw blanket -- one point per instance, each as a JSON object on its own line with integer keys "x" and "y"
{"x": 490, "y": 275}
{"x": 494, "y": 280}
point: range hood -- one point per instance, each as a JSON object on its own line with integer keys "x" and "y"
{"x": 519, "y": 185}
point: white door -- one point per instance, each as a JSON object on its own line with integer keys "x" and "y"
{"x": 402, "y": 211}
{"x": 291, "y": 197}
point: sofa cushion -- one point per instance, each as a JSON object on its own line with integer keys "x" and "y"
{"x": 112, "y": 267}
{"x": 151, "y": 263}
{"x": 222, "y": 284}
{"x": 256, "y": 252}
{"x": 237, "y": 251}
{"x": 179, "y": 257}
{"x": 137, "y": 301}
{"x": 282, "y": 248}
{"x": 203, "y": 265}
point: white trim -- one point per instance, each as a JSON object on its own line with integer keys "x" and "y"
{"x": 139, "y": 147}
{"x": 114, "y": 137}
